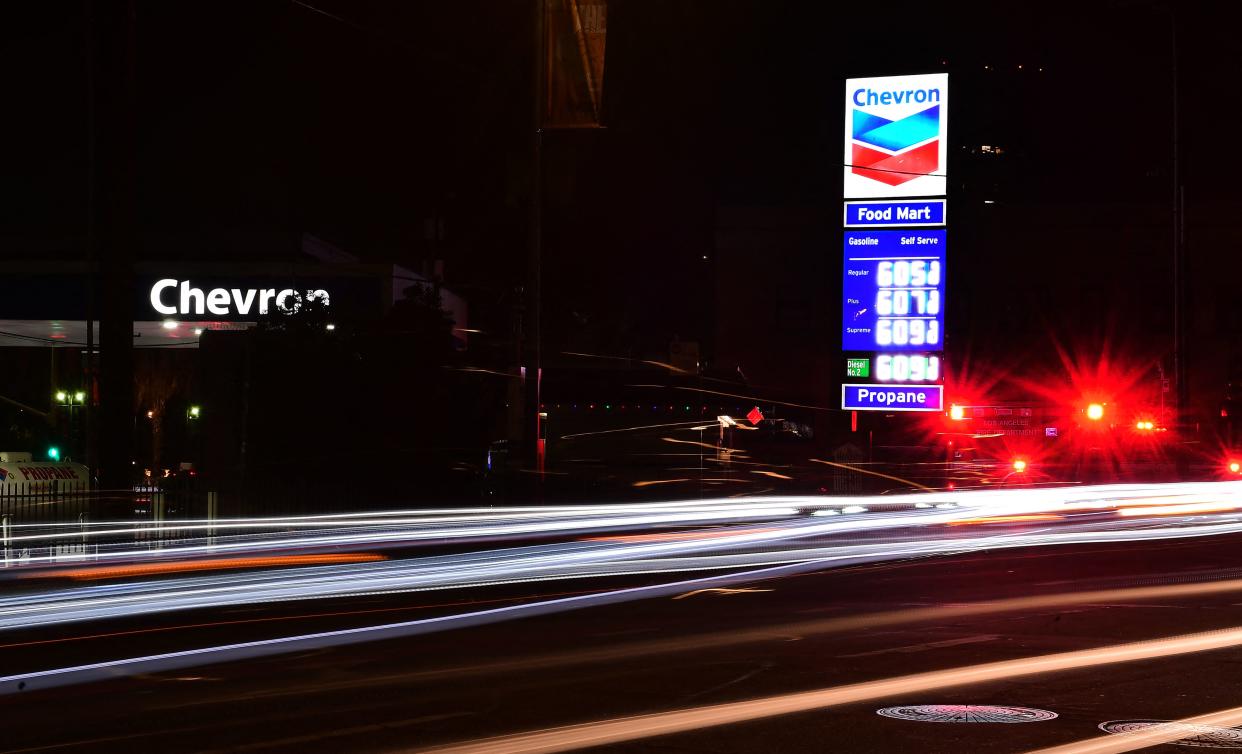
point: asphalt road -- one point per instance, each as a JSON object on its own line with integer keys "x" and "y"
{"x": 756, "y": 641}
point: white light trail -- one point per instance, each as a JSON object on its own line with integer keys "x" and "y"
{"x": 809, "y": 540}
{"x": 796, "y": 534}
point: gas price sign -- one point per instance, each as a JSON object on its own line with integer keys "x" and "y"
{"x": 893, "y": 292}
{"x": 895, "y": 215}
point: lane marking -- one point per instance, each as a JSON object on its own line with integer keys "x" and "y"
{"x": 926, "y": 646}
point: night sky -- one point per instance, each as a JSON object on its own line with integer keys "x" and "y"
{"x": 361, "y": 121}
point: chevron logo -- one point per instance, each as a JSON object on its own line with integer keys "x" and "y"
{"x": 896, "y": 151}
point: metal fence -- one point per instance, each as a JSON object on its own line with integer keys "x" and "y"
{"x": 51, "y": 501}
{"x": 167, "y": 501}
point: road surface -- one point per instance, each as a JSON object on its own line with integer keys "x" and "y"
{"x": 780, "y": 662}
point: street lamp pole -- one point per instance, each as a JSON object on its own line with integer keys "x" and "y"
{"x": 70, "y": 401}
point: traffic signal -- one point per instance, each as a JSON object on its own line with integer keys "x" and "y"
{"x": 1095, "y": 412}
{"x": 53, "y": 453}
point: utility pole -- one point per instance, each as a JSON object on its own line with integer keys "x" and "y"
{"x": 1181, "y": 397}
{"x": 90, "y": 443}
{"x": 112, "y": 30}
{"x": 532, "y": 356}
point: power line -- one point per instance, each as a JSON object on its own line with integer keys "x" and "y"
{"x": 898, "y": 172}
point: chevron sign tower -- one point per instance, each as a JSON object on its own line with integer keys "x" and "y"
{"x": 895, "y": 216}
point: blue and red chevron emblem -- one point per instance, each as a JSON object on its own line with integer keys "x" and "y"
{"x": 895, "y": 151}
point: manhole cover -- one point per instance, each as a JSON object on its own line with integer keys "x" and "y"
{"x": 1207, "y": 736}
{"x": 967, "y": 713}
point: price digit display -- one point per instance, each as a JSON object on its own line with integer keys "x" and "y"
{"x": 900, "y": 367}
{"x": 893, "y": 290}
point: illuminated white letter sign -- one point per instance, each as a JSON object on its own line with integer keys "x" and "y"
{"x": 186, "y": 300}
{"x": 156, "y": 303}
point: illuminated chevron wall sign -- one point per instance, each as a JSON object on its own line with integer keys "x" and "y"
{"x": 895, "y": 136}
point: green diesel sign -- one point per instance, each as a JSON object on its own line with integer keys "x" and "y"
{"x": 858, "y": 367}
